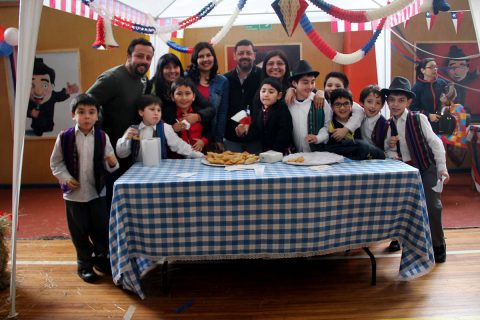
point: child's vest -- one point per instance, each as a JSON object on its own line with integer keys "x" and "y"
{"x": 316, "y": 118}
{"x": 420, "y": 151}
{"x": 70, "y": 157}
{"x": 334, "y": 124}
{"x": 158, "y": 132}
{"x": 380, "y": 132}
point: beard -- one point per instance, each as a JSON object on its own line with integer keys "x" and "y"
{"x": 138, "y": 72}
{"x": 245, "y": 65}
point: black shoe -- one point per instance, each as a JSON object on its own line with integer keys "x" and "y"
{"x": 102, "y": 264}
{"x": 440, "y": 254}
{"x": 87, "y": 275}
{"x": 394, "y": 246}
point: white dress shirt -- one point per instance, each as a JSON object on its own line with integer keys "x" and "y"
{"x": 432, "y": 139}
{"x": 367, "y": 127}
{"x": 174, "y": 142}
{"x": 85, "y": 147}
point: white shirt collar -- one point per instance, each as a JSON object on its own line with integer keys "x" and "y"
{"x": 77, "y": 130}
{"x": 143, "y": 125}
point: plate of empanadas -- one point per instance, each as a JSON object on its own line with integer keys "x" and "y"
{"x": 229, "y": 158}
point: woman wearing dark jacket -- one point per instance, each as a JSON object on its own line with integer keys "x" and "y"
{"x": 428, "y": 89}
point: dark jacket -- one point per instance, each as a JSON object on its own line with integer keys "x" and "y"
{"x": 427, "y": 96}
{"x": 276, "y": 134}
{"x": 241, "y": 96}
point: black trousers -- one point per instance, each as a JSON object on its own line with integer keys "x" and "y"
{"x": 88, "y": 225}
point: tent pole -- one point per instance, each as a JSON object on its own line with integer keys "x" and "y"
{"x": 30, "y": 12}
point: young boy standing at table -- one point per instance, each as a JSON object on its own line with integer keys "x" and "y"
{"x": 149, "y": 108}
{"x": 80, "y": 159}
{"x": 411, "y": 139}
{"x": 374, "y": 126}
{"x": 351, "y": 146}
{"x": 309, "y": 123}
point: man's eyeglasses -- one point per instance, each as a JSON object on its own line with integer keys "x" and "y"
{"x": 460, "y": 67}
{"x": 345, "y": 104}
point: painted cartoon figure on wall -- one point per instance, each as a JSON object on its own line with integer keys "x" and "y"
{"x": 41, "y": 107}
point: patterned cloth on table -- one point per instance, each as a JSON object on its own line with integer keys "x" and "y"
{"x": 291, "y": 211}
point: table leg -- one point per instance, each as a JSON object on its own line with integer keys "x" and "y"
{"x": 374, "y": 265}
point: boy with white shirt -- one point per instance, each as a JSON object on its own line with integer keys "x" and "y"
{"x": 149, "y": 108}
{"x": 351, "y": 145}
{"x": 374, "y": 126}
{"x": 80, "y": 159}
{"x": 309, "y": 123}
{"x": 411, "y": 139}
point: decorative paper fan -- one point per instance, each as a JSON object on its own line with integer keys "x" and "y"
{"x": 289, "y": 12}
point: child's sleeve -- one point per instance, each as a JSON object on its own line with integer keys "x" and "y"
{"x": 389, "y": 152}
{"x": 434, "y": 143}
{"x": 109, "y": 151}
{"x": 322, "y": 136}
{"x": 176, "y": 144}
{"x": 57, "y": 163}
{"x": 356, "y": 119}
{"x": 123, "y": 147}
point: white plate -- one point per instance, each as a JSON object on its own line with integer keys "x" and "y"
{"x": 205, "y": 162}
{"x": 314, "y": 158}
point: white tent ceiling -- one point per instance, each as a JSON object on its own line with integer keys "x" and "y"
{"x": 254, "y": 11}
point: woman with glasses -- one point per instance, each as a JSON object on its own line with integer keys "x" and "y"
{"x": 428, "y": 89}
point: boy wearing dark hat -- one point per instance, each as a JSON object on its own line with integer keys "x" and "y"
{"x": 411, "y": 139}
{"x": 309, "y": 123}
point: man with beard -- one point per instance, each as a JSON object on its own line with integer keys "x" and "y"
{"x": 116, "y": 91}
{"x": 244, "y": 81}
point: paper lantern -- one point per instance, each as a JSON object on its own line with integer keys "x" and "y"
{"x": 11, "y": 36}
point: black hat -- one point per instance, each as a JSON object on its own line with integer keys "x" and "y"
{"x": 455, "y": 52}
{"x": 303, "y": 68}
{"x": 399, "y": 84}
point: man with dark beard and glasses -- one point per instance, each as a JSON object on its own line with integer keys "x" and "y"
{"x": 244, "y": 81}
{"x": 116, "y": 91}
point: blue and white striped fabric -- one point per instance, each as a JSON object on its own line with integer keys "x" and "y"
{"x": 291, "y": 211}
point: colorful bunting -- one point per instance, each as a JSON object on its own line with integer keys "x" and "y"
{"x": 430, "y": 20}
{"x": 457, "y": 17}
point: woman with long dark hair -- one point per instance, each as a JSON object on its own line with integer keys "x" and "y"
{"x": 169, "y": 69}
{"x": 203, "y": 71}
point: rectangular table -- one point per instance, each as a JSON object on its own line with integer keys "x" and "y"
{"x": 292, "y": 211}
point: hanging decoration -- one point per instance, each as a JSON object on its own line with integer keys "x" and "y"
{"x": 430, "y": 20}
{"x": 218, "y": 37}
{"x": 104, "y": 36}
{"x": 457, "y": 17}
{"x": 8, "y": 40}
{"x": 365, "y": 15}
{"x": 289, "y": 12}
{"x": 345, "y": 26}
{"x": 335, "y": 56}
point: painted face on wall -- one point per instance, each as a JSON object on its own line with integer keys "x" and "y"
{"x": 42, "y": 88}
{"x": 457, "y": 69}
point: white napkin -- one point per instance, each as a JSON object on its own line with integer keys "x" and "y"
{"x": 259, "y": 169}
{"x": 320, "y": 167}
{"x": 439, "y": 187}
{"x": 239, "y": 116}
{"x": 186, "y": 174}
{"x": 151, "y": 152}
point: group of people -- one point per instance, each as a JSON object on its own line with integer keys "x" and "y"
{"x": 193, "y": 111}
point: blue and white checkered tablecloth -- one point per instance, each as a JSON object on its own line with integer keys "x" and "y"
{"x": 290, "y": 211}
